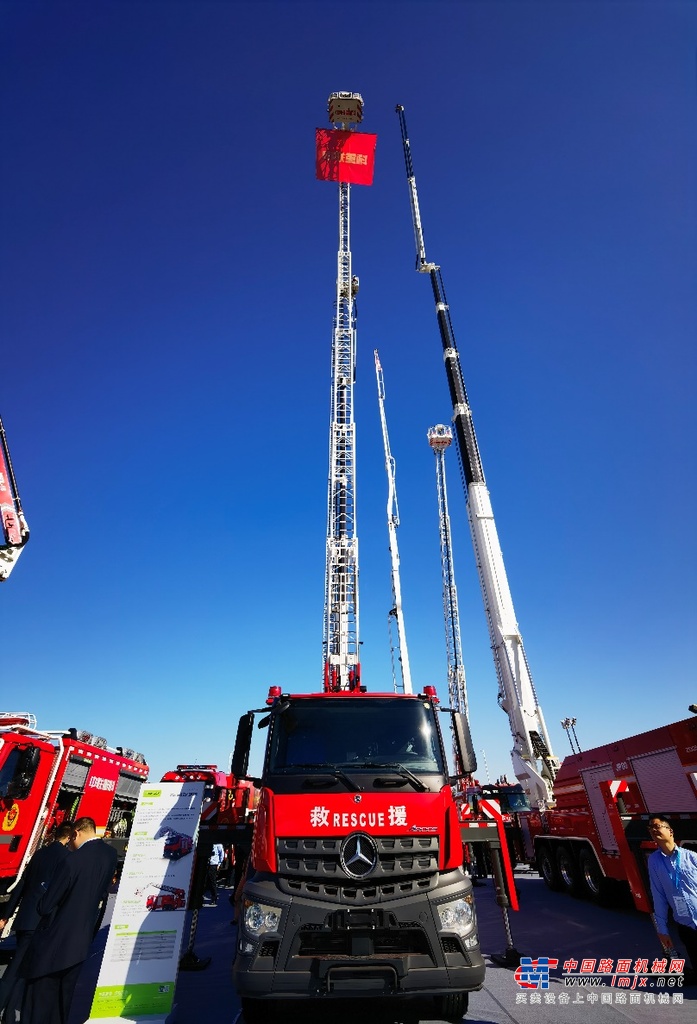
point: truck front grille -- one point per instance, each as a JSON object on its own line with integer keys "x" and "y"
{"x": 405, "y": 864}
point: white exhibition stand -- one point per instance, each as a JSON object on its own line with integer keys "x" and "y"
{"x": 139, "y": 969}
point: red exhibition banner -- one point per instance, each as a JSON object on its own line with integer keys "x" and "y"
{"x": 345, "y": 156}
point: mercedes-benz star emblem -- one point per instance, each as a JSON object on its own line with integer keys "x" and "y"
{"x": 359, "y": 855}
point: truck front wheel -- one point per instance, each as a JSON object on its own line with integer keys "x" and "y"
{"x": 453, "y": 1007}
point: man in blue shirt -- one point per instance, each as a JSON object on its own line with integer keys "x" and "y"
{"x": 673, "y": 877}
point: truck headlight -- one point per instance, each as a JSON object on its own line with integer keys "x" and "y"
{"x": 260, "y": 918}
{"x": 456, "y": 916}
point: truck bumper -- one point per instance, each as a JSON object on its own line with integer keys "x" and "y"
{"x": 392, "y": 948}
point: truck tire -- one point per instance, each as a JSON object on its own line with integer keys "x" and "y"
{"x": 546, "y": 865}
{"x": 596, "y": 886}
{"x": 453, "y": 1007}
{"x": 568, "y": 871}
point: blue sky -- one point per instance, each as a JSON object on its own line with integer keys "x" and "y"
{"x": 167, "y": 268}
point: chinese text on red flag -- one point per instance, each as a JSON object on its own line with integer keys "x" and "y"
{"x": 345, "y": 156}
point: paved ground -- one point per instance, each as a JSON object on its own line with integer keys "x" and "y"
{"x": 548, "y": 924}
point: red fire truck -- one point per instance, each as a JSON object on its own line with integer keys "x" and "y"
{"x": 169, "y": 898}
{"x": 177, "y": 844}
{"x": 595, "y": 834}
{"x": 47, "y": 777}
{"x": 355, "y": 884}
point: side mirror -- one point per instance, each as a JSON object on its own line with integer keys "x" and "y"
{"x": 243, "y": 742}
{"x": 463, "y": 744}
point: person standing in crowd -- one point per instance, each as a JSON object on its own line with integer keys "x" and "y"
{"x": 216, "y": 859}
{"x": 70, "y": 914}
{"x": 29, "y": 889}
{"x": 673, "y": 877}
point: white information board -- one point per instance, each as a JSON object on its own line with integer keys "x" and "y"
{"x": 139, "y": 969}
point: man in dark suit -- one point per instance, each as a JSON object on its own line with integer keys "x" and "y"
{"x": 31, "y": 886}
{"x": 70, "y": 914}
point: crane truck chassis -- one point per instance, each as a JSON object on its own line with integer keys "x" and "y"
{"x": 593, "y": 841}
{"x": 595, "y": 836}
{"x": 355, "y": 886}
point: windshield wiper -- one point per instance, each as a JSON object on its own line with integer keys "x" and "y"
{"x": 324, "y": 768}
{"x": 395, "y": 766}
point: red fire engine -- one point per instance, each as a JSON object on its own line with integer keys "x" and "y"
{"x": 355, "y": 880}
{"x": 47, "y": 777}
{"x": 595, "y": 833}
{"x": 176, "y": 845}
{"x": 169, "y": 898}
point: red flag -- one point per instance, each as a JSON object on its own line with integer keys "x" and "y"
{"x": 345, "y": 156}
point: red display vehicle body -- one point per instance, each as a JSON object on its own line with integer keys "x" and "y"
{"x": 47, "y": 777}
{"x": 595, "y": 834}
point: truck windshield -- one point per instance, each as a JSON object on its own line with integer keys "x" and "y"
{"x": 355, "y": 733}
{"x": 8, "y": 771}
{"x": 514, "y": 801}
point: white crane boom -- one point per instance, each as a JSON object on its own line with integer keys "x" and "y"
{"x": 396, "y": 612}
{"x": 534, "y": 763}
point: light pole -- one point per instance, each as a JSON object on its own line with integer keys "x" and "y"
{"x": 568, "y": 724}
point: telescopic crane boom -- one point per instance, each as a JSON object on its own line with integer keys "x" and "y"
{"x": 396, "y": 612}
{"x": 534, "y": 763}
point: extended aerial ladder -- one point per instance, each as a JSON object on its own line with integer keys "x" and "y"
{"x": 341, "y": 619}
{"x": 14, "y": 532}
{"x": 440, "y": 438}
{"x": 396, "y": 612}
{"x": 534, "y": 763}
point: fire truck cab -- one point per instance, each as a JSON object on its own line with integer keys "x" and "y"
{"x": 355, "y": 885}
